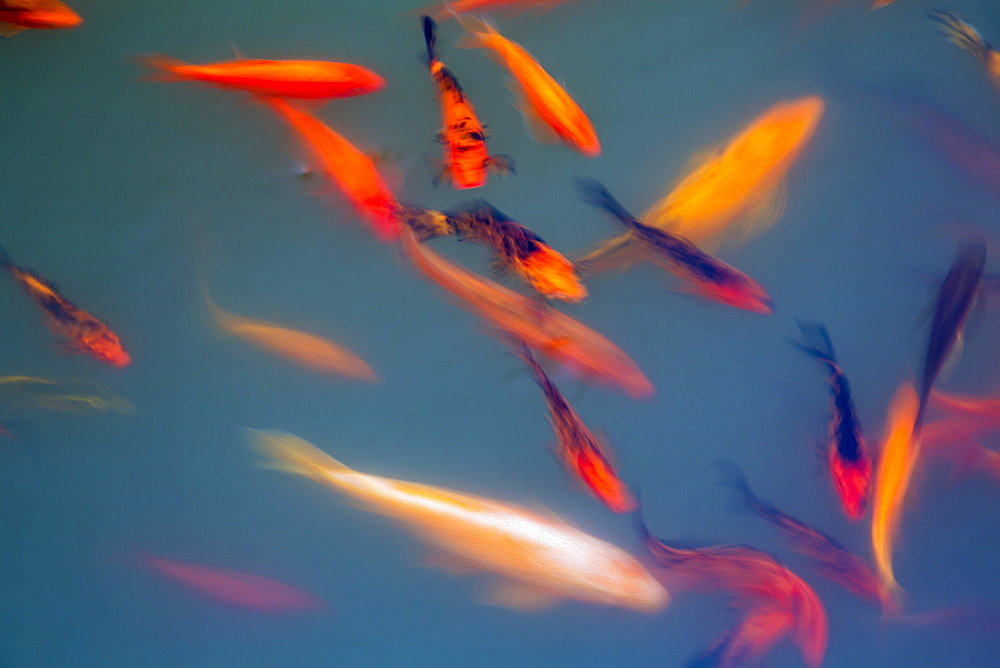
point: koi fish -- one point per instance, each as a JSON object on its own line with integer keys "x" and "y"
{"x": 87, "y": 334}
{"x": 549, "y": 332}
{"x": 353, "y": 171}
{"x": 518, "y": 249}
{"x": 22, "y": 393}
{"x": 711, "y": 277}
{"x": 742, "y": 181}
{"x": 965, "y": 37}
{"x": 461, "y": 6}
{"x": 466, "y": 160}
{"x": 777, "y": 599}
{"x": 898, "y": 458}
{"x": 18, "y": 15}
{"x": 307, "y": 350}
{"x": 850, "y": 464}
{"x": 832, "y": 559}
{"x": 305, "y": 79}
{"x": 582, "y": 453}
{"x": 548, "y": 110}
{"x": 954, "y": 302}
{"x": 541, "y": 559}
{"x": 242, "y": 590}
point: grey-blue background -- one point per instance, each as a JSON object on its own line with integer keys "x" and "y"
{"x": 121, "y": 191}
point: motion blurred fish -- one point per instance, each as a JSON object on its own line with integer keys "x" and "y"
{"x": 833, "y": 561}
{"x": 954, "y": 302}
{"x": 353, "y": 171}
{"x": 968, "y": 39}
{"x": 582, "y": 453}
{"x": 17, "y": 15}
{"x": 541, "y": 560}
{"x": 518, "y": 249}
{"x": 466, "y": 160}
{"x": 710, "y": 277}
{"x": 306, "y": 350}
{"x": 22, "y": 393}
{"x": 242, "y": 590}
{"x": 580, "y": 349}
{"x": 86, "y": 333}
{"x": 896, "y": 462}
{"x": 850, "y": 464}
{"x": 743, "y": 181}
{"x": 307, "y": 79}
{"x": 446, "y": 9}
{"x": 549, "y": 112}
{"x": 777, "y": 600}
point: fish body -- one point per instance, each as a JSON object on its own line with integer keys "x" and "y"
{"x": 243, "y": 590}
{"x": 17, "y": 15}
{"x": 304, "y": 79}
{"x": 548, "y": 557}
{"x": 87, "y": 334}
{"x": 547, "y": 331}
{"x": 777, "y": 600}
{"x": 467, "y": 162}
{"x": 307, "y": 350}
{"x": 353, "y": 171}
{"x": 954, "y": 302}
{"x": 543, "y": 101}
{"x": 21, "y": 393}
{"x": 967, "y": 38}
{"x": 847, "y": 454}
{"x": 581, "y": 451}
{"x": 711, "y": 277}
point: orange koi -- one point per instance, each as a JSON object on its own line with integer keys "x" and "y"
{"x": 88, "y": 334}
{"x": 546, "y": 107}
{"x": 466, "y": 160}
{"x": 462, "y": 6}
{"x": 582, "y": 453}
{"x": 777, "y": 599}
{"x": 243, "y": 590}
{"x": 541, "y": 560}
{"x": 967, "y": 38}
{"x": 892, "y": 478}
{"x": 353, "y": 171}
{"x": 18, "y": 15}
{"x": 551, "y": 333}
{"x": 306, "y": 79}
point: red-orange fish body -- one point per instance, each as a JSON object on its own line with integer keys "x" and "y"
{"x": 37, "y": 14}
{"x": 89, "y": 335}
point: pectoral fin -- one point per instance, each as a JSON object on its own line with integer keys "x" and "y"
{"x": 763, "y": 215}
{"x": 449, "y": 562}
{"x": 9, "y": 29}
{"x": 519, "y": 596}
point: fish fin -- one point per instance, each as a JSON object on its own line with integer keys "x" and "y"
{"x": 441, "y": 169}
{"x": 162, "y": 65}
{"x": 518, "y": 596}
{"x": 620, "y": 253}
{"x": 953, "y": 355}
{"x": 961, "y": 34}
{"x": 67, "y": 348}
{"x": 450, "y": 563}
{"x": 294, "y": 455}
{"x": 236, "y": 52}
{"x": 9, "y": 29}
{"x": 478, "y": 31}
{"x": 537, "y": 129}
{"x": 765, "y": 213}
{"x": 500, "y": 164}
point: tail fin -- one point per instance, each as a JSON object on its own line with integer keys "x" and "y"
{"x": 5, "y": 260}
{"x": 294, "y": 455}
{"x": 595, "y": 194}
{"x": 429, "y": 37}
{"x": 961, "y": 34}
{"x": 478, "y": 31}
{"x": 815, "y": 341}
{"x": 162, "y": 66}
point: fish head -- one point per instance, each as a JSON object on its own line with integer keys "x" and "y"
{"x": 367, "y": 81}
{"x": 58, "y": 18}
{"x": 853, "y": 481}
{"x": 743, "y": 293}
{"x": 625, "y": 582}
{"x": 552, "y": 275}
{"x": 107, "y": 349}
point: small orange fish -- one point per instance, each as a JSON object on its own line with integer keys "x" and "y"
{"x": 307, "y": 79}
{"x": 546, "y": 107}
{"x": 466, "y": 160}
{"x": 547, "y": 331}
{"x": 346, "y": 166}
{"x": 17, "y": 15}
{"x": 88, "y": 334}
{"x": 582, "y": 453}
{"x": 460, "y": 6}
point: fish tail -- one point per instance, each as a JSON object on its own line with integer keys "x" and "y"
{"x": 429, "y": 37}
{"x": 961, "y": 34}
{"x": 162, "y": 66}
{"x": 595, "y": 194}
{"x": 294, "y": 455}
{"x": 479, "y": 32}
{"x": 816, "y": 342}
{"x": 5, "y": 260}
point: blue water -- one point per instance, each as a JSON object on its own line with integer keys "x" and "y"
{"x": 122, "y": 191}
